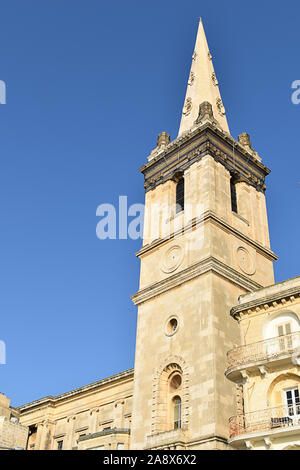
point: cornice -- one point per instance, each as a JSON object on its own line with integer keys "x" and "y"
{"x": 52, "y": 400}
{"x": 204, "y": 266}
{"x": 198, "y": 220}
{"x": 265, "y": 303}
{"x": 179, "y": 142}
{"x": 205, "y": 139}
{"x": 107, "y": 432}
{"x": 208, "y": 438}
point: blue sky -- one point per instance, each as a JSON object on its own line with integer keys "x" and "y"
{"x": 89, "y": 86}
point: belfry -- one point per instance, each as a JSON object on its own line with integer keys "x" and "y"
{"x": 217, "y": 361}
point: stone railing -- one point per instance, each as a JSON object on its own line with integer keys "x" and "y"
{"x": 262, "y": 351}
{"x": 265, "y": 420}
{"x": 174, "y": 439}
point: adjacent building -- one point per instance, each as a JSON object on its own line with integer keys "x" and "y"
{"x": 13, "y": 435}
{"x": 266, "y": 369}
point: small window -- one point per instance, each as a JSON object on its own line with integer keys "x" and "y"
{"x": 60, "y": 445}
{"x": 180, "y": 196}
{"x": 171, "y": 326}
{"x": 175, "y": 382}
{"x": 233, "y": 196}
{"x": 177, "y": 412}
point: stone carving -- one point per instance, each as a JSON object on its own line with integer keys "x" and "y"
{"x": 172, "y": 259}
{"x": 187, "y": 107}
{"x": 209, "y": 56}
{"x": 163, "y": 139}
{"x": 245, "y": 261}
{"x": 194, "y": 56}
{"x": 206, "y": 113}
{"x": 191, "y": 78}
{"x": 220, "y": 106}
{"x": 214, "y": 79}
{"x": 244, "y": 140}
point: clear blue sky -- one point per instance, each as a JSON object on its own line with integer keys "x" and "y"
{"x": 89, "y": 86}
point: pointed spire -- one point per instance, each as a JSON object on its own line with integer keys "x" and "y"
{"x": 202, "y": 86}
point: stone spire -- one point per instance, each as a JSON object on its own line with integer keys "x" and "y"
{"x": 202, "y": 87}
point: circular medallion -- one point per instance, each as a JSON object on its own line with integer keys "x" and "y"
{"x": 245, "y": 261}
{"x": 172, "y": 258}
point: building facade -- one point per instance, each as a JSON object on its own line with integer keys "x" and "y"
{"x": 13, "y": 435}
{"x": 266, "y": 369}
{"x": 216, "y": 363}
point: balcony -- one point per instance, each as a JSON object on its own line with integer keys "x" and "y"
{"x": 174, "y": 439}
{"x": 254, "y": 356}
{"x": 283, "y": 419}
{"x": 104, "y": 440}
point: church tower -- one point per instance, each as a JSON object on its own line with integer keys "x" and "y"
{"x": 206, "y": 242}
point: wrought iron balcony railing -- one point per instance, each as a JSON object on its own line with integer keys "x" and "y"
{"x": 265, "y": 420}
{"x": 267, "y": 350}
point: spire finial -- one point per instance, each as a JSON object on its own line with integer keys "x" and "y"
{"x": 202, "y": 86}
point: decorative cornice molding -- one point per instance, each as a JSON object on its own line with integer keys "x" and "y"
{"x": 208, "y": 438}
{"x": 52, "y": 400}
{"x": 104, "y": 433}
{"x": 217, "y": 220}
{"x": 204, "y": 266}
{"x": 58, "y": 436}
{"x": 197, "y": 130}
{"x": 205, "y": 139}
{"x": 265, "y": 303}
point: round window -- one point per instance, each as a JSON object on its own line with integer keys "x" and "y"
{"x": 172, "y": 326}
{"x": 175, "y": 382}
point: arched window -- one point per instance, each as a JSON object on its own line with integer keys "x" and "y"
{"x": 233, "y": 196}
{"x": 283, "y": 324}
{"x": 284, "y": 392}
{"x": 180, "y": 196}
{"x": 171, "y": 397}
{"x": 177, "y": 412}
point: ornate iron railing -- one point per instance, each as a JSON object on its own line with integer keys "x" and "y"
{"x": 264, "y": 420}
{"x": 266, "y": 350}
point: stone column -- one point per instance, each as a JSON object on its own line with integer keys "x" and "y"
{"x": 47, "y": 435}
{"x": 43, "y": 436}
{"x": 40, "y": 429}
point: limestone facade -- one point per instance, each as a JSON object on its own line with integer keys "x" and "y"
{"x": 217, "y": 359}
{"x": 267, "y": 368}
{"x": 95, "y": 416}
{"x": 13, "y": 435}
